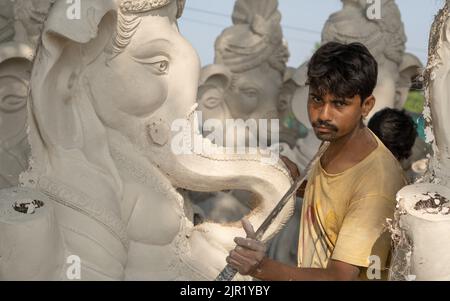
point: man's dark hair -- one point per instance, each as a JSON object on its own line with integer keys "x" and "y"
{"x": 343, "y": 70}
{"x": 396, "y": 130}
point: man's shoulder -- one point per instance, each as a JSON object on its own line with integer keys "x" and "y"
{"x": 382, "y": 175}
{"x": 385, "y": 161}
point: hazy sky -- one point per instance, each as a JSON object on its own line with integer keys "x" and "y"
{"x": 302, "y": 22}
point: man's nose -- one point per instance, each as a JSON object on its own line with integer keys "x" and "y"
{"x": 325, "y": 112}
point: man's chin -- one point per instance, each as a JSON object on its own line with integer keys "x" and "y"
{"x": 326, "y": 137}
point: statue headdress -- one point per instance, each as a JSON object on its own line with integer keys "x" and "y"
{"x": 30, "y": 17}
{"x": 129, "y": 18}
{"x": 141, "y": 6}
{"x": 381, "y": 36}
{"x": 6, "y": 21}
{"x": 255, "y": 37}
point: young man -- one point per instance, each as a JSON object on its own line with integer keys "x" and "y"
{"x": 351, "y": 190}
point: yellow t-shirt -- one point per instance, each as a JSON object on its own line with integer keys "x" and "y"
{"x": 344, "y": 215}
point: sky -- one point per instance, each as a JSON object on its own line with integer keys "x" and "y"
{"x": 302, "y": 21}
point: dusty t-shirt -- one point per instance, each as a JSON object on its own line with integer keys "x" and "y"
{"x": 344, "y": 215}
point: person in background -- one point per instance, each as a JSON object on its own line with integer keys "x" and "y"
{"x": 396, "y": 130}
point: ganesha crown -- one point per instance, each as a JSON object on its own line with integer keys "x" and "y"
{"x": 142, "y": 6}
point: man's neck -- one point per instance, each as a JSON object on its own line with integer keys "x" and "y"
{"x": 348, "y": 150}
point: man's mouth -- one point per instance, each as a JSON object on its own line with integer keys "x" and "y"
{"x": 323, "y": 129}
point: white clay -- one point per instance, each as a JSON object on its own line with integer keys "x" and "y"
{"x": 97, "y": 98}
{"x": 426, "y": 230}
{"x": 20, "y": 27}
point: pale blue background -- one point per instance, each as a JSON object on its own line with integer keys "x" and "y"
{"x": 204, "y": 20}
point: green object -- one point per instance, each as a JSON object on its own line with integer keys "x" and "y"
{"x": 291, "y": 122}
{"x": 415, "y": 102}
{"x": 420, "y": 124}
{"x": 414, "y": 106}
{"x": 420, "y": 121}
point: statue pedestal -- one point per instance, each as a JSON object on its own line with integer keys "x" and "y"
{"x": 424, "y": 221}
{"x": 29, "y": 237}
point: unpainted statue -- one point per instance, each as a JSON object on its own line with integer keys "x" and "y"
{"x": 244, "y": 83}
{"x": 423, "y": 216}
{"x": 105, "y": 92}
{"x": 20, "y": 24}
{"x": 250, "y": 62}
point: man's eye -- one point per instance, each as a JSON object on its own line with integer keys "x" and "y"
{"x": 339, "y": 104}
{"x": 316, "y": 99}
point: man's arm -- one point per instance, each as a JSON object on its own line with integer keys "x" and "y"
{"x": 249, "y": 258}
{"x": 335, "y": 271}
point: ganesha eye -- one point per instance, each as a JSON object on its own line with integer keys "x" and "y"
{"x": 161, "y": 66}
{"x": 158, "y": 64}
{"x": 250, "y": 92}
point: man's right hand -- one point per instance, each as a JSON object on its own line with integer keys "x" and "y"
{"x": 249, "y": 252}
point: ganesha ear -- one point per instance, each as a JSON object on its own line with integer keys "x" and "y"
{"x": 180, "y": 6}
{"x": 214, "y": 80}
{"x": 103, "y": 41}
{"x": 67, "y": 47}
{"x": 410, "y": 67}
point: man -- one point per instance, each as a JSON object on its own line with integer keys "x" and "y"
{"x": 351, "y": 190}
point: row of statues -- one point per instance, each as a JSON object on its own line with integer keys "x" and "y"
{"x": 249, "y": 79}
{"x": 86, "y": 123}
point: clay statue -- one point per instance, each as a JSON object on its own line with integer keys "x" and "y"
{"x": 106, "y": 92}
{"x": 30, "y": 16}
{"x": 438, "y": 96}
{"x": 420, "y": 230}
{"x": 16, "y": 55}
{"x": 15, "y": 66}
{"x": 243, "y": 84}
{"x": 250, "y": 62}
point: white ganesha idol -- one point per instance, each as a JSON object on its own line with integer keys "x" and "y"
{"x": 105, "y": 90}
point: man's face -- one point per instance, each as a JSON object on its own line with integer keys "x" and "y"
{"x": 334, "y": 117}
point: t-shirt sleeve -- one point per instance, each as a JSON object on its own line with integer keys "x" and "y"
{"x": 363, "y": 234}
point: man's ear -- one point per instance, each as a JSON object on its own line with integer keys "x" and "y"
{"x": 214, "y": 80}
{"x": 368, "y": 105}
